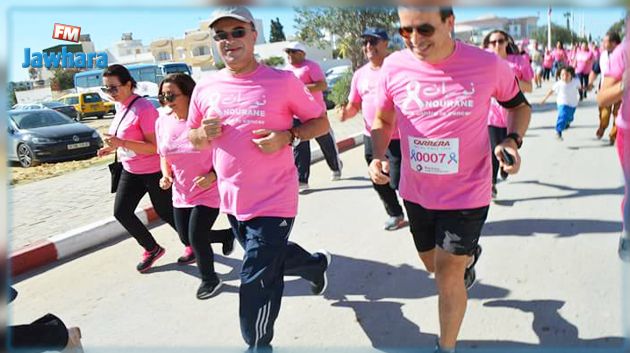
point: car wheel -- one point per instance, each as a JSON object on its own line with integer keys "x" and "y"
{"x": 25, "y": 155}
{"x": 100, "y": 116}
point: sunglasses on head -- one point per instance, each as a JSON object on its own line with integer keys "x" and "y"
{"x": 167, "y": 98}
{"x": 497, "y": 42}
{"x": 425, "y": 30}
{"x": 110, "y": 89}
{"x": 370, "y": 40}
{"x": 238, "y": 32}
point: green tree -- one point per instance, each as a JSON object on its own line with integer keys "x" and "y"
{"x": 12, "y": 98}
{"x": 619, "y": 27}
{"x": 274, "y": 61}
{"x": 558, "y": 33}
{"x": 63, "y": 79}
{"x": 277, "y": 32}
{"x": 346, "y": 23}
{"x": 341, "y": 90}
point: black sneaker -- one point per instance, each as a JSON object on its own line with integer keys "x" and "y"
{"x": 494, "y": 191}
{"x": 207, "y": 289}
{"x": 470, "y": 275}
{"x": 319, "y": 286}
{"x": 149, "y": 257}
{"x": 228, "y": 247}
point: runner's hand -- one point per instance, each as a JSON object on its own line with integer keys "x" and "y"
{"x": 211, "y": 128}
{"x": 271, "y": 141}
{"x": 166, "y": 182}
{"x": 204, "y": 181}
{"x": 104, "y": 151}
{"x": 512, "y": 149}
{"x": 379, "y": 171}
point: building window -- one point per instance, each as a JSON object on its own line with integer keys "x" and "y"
{"x": 164, "y": 56}
{"x": 203, "y": 50}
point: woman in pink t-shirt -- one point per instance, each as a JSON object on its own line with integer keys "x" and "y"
{"x": 614, "y": 88}
{"x": 583, "y": 62}
{"x": 502, "y": 44}
{"x": 559, "y": 60}
{"x": 547, "y": 64}
{"x": 189, "y": 173}
{"x": 132, "y": 137}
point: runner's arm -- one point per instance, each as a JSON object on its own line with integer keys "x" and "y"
{"x": 382, "y": 130}
{"x": 350, "y": 110}
{"x": 610, "y": 93}
{"x": 317, "y": 86}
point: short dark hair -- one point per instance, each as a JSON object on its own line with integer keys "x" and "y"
{"x": 446, "y": 12}
{"x": 570, "y": 70}
{"x": 184, "y": 82}
{"x": 614, "y": 36}
{"x": 121, "y": 72}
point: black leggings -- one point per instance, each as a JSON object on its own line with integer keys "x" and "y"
{"x": 44, "y": 334}
{"x": 583, "y": 84}
{"x": 131, "y": 189}
{"x": 546, "y": 73}
{"x": 497, "y": 135}
{"x": 194, "y": 225}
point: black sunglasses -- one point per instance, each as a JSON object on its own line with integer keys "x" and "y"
{"x": 110, "y": 89}
{"x": 370, "y": 40}
{"x": 238, "y": 32}
{"x": 425, "y": 30}
{"x": 167, "y": 98}
{"x": 497, "y": 42}
{"x": 291, "y": 51}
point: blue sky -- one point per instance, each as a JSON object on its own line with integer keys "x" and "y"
{"x": 32, "y": 28}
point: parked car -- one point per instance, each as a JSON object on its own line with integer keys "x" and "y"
{"x": 110, "y": 106}
{"x": 87, "y": 104}
{"x": 45, "y": 135}
{"x": 65, "y": 109}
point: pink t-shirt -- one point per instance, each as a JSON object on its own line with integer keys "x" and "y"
{"x": 583, "y": 62}
{"x": 523, "y": 72}
{"x": 186, "y": 163}
{"x": 443, "y": 132}
{"x": 548, "y": 61}
{"x": 617, "y": 65}
{"x": 309, "y": 72}
{"x": 139, "y": 121}
{"x": 559, "y": 55}
{"x": 252, "y": 183}
{"x": 363, "y": 90}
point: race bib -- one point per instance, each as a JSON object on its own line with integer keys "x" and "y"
{"x": 434, "y": 156}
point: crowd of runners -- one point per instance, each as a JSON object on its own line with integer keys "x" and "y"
{"x": 442, "y": 122}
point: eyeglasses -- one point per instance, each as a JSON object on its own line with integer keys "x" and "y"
{"x": 167, "y": 98}
{"x": 291, "y": 51}
{"x": 497, "y": 42}
{"x": 425, "y": 30}
{"x": 370, "y": 40}
{"x": 238, "y": 32}
{"x": 110, "y": 89}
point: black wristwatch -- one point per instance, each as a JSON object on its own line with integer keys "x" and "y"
{"x": 517, "y": 138}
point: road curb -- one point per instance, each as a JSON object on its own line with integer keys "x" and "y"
{"x": 78, "y": 240}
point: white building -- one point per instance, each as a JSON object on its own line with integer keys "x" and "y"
{"x": 129, "y": 51}
{"x": 473, "y": 31}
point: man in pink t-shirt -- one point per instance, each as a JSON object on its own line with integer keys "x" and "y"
{"x": 244, "y": 114}
{"x": 614, "y": 88}
{"x": 443, "y": 89}
{"x": 311, "y": 74}
{"x": 362, "y": 98}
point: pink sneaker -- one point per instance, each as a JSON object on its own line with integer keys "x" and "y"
{"x": 187, "y": 258}
{"x": 149, "y": 257}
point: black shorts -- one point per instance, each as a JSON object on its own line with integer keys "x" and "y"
{"x": 454, "y": 231}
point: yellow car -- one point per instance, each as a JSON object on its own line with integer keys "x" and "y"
{"x": 86, "y": 104}
{"x": 109, "y": 106}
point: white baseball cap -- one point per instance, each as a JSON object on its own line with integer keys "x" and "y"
{"x": 236, "y": 12}
{"x": 296, "y": 46}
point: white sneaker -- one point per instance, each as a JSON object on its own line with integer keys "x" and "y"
{"x": 303, "y": 189}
